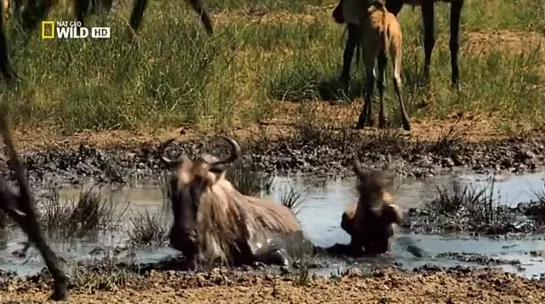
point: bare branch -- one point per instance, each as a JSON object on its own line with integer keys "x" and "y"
{"x": 20, "y": 207}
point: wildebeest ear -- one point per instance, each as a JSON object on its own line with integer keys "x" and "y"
{"x": 392, "y": 214}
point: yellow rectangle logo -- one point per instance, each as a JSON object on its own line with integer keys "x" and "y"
{"x": 48, "y": 29}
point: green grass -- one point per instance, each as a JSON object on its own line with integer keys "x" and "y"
{"x": 172, "y": 74}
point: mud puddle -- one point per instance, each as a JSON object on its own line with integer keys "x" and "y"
{"x": 323, "y": 202}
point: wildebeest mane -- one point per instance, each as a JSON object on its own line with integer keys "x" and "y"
{"x": 228, "y": 220}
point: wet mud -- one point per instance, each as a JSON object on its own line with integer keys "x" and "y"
{"x": 318, "y": 154}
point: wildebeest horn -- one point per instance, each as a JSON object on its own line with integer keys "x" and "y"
{"x": 235, "y": 152}
{"x": 168, "y": 161}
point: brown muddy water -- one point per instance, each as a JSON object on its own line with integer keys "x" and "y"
{"x": 320, "y": 214}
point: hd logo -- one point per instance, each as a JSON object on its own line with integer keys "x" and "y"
{"x": 72, "y": 30}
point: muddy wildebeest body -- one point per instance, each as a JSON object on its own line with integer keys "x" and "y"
{"x": 428, "y": 14}
{"x": 214, "y": 222}
{"x": 370, "y": 221}
{"x": 380, "y": 36}
{"x": 20, "y": 207}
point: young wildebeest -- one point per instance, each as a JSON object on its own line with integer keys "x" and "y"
{"x": 370, "y": 221}
{"x": 380, "y": 35}
{"x": 428, "y": 14}
{"x": 213, "y": 221}
{"x": 20, "y": 207}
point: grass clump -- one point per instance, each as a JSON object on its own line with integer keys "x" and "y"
{"x": 151, "y": 229}
{"x": 148, "y": 230}
{"x": 291, "y": 198}
{"x": 303, "y": 274}
{"x": 540, "y": 194}
{"x": 249, "y": 182}
{"x": 536, "y": 209}
{"x": 82, "y": 217}
{"x": 471, "y": 209}
{"x": 303, "y": 253}
{"x": 460, "y": 197}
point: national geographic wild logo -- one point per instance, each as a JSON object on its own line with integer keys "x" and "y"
{"x": 72, "y": 30}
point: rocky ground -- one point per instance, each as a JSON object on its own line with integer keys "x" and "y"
{"x": 456, "y": 285}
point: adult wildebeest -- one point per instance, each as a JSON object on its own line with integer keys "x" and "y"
{"x": 428, "y": 15}
{"x": 380, "y": 38}
{"x": 35, "y": 11}
{"x": 213, "y": 221}
{"x": 370, "y": 221}
{"x": 20, "y": 207}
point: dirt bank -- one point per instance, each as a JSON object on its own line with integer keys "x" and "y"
{"x": 306, "y": 149}
{"x": 382, "y": 286}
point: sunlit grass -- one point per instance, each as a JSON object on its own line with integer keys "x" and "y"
{"x": 261, "y": 54}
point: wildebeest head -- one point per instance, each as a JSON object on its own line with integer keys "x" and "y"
{"x": 372, "y": 184}
{"x": 370, "y": 223}
{"x": 186, "y": 185}
{"x": 373, "y": 195}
